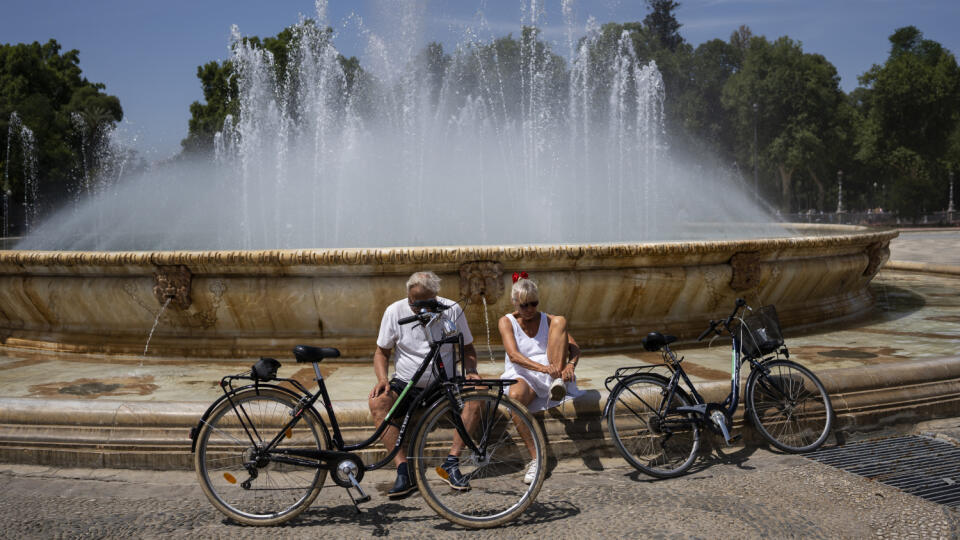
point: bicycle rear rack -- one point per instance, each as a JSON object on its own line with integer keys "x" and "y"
{"x": 626, "y": 372}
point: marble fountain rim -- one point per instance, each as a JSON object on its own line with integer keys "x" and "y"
{"x": 847, "y": 235}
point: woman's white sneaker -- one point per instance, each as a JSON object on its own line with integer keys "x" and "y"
{"x": 558, "y": 390}
{"x": 531, "y": 473}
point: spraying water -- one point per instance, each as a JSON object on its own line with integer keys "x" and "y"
{"x": 154, "y": 327}
{"x": 500, "y": 142}
{"x": 28, "y": 148}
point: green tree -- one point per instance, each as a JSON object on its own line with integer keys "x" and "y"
{"x": 47, "y": 90}
{"x": 798, "y": 99}
{"x": 663, "y": 24}
{"x": 908, "y": 114}
{"x": 700, "y": 108}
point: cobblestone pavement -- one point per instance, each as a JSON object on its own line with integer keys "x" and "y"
{"x": 739, "y": 493}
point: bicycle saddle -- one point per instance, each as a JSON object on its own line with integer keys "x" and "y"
{"x": 306, "y": 353}
{"x": 655, "y": 341}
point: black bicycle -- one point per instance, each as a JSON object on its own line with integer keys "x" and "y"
{"x": 262, "y": 451}
{"x": 656, "y": 424}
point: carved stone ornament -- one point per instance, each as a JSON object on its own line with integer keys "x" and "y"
{"x": 878, "y": 253}
{"x": 746, "y": 271}
{"x": 481, "y": 279}
{"x": 172, "y": 282}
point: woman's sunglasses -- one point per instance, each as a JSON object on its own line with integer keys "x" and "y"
{"x": 525, "y": 305}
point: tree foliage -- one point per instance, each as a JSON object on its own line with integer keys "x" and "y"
{"x": 67, "y": 114}
{"x": 793, "y": 101}
{"x": 908, "y": 120}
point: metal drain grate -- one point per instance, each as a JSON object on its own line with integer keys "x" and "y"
{"x": 922, "y": 466}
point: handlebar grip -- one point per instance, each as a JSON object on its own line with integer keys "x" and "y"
{"x": 408, "y": 320}
{"x": 713, "y": 326}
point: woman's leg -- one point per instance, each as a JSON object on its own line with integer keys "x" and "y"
{"x": 525, "y": 395}
{"x": 557, "y": 349}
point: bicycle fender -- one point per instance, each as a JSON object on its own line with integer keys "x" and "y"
{"x": 609, "y": 404}
{"x": 194, "y": 431}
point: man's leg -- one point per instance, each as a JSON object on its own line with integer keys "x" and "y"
{"x": 379, "y": 407}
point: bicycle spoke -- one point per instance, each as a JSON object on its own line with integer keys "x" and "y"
{"x": 660, "y": 450}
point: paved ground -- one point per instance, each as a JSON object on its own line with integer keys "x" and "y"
{"x": 740, "y": 493}
{"x": 940, "y": 246}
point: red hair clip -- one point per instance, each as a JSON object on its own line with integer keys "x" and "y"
{"x": 520, "y": 275}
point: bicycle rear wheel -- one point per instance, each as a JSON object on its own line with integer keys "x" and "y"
{"x": 250, "y": 490}
{"x": 497, "y": 492}
{"x": 789, "y": 406}
{"x": 651, "y": 439}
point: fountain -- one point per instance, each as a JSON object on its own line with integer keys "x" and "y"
{"x": 301, "y": 229}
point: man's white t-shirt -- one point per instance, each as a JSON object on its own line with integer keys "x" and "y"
{"x": 409, "y": 343}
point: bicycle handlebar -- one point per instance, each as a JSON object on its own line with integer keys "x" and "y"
{"x": 713, "y": 326}
{"x": 726, "y": 323}
{"x": 408, "y": 320}
{"x": 426, "y": 307}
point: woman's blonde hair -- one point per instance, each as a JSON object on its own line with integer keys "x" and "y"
{"x": 524, "y": 290}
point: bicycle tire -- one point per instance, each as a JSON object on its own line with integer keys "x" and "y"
{"x": 796, "y": 419}
{"x": 497, "y": 493}
{"x": 279, "y": 492}
{"x": 635, "y": 426}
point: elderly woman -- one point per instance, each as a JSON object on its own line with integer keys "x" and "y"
{"x": 541, "y": 354}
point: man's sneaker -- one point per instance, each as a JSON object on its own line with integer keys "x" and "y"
{"x": 531, "y": 473}
{"x": 558, "y": 390}
{"x": 404, "y": 485}
{"x": 450, "y": 471}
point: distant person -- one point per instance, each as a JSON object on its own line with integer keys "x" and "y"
{"x": 541, "y": 355}
{"x": 410, "y": 348}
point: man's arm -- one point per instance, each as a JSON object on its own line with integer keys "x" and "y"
{"x": 470, "y": 361}
{"x": 381, "y": 360}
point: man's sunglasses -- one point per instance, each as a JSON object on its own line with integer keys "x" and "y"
{"x": 525, "y": 305}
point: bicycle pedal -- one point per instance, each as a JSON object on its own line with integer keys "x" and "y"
{"x": 735, "y": 438}
{"x": 361, "y": 500}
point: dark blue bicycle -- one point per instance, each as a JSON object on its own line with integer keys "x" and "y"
{"x": 656, "y": 424}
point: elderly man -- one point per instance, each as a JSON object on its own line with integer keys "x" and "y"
{"x": 410, "y": 347}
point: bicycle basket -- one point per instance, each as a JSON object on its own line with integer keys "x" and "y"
{"x": 761, "y": 333}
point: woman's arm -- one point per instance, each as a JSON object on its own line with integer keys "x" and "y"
{"x": 573, "y": 358}
{"x": 510, "y": 346}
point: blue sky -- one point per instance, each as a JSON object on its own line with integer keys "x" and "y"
{"x": 147, "y": 52}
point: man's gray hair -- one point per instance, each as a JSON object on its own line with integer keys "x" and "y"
{"x": 428, "y": 280}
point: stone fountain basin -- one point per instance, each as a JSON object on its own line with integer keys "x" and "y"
{"x": 249, "y": 303}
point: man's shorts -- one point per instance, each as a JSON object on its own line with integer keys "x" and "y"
{"x": 397, "y": 386}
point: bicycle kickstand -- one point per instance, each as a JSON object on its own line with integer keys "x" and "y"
{"x": 357, "y": 501}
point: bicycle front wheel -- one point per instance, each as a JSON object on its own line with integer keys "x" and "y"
{"x": 249, "y": 487}
{"x": 789, "y": 406}
{"x": 651, "y": 438}
{"x": 508, "y": 438}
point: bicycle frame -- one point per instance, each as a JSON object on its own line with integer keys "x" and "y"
{"x": 441, "y": 388}
{"x": 701, "y": 409}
